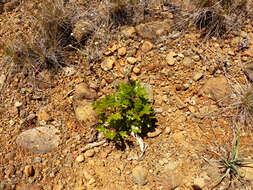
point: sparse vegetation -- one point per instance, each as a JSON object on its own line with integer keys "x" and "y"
{"x": 125, "y": 112}
{"x": 231, "y": 165}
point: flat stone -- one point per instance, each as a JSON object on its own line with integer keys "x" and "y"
{"x": 140, "y": 175}
{"x": 197, "y": 76}
{"x": 39, "y": 140}
{"x": 247, "y": 172}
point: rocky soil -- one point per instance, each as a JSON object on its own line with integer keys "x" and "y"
{"x": 47, "y": 123}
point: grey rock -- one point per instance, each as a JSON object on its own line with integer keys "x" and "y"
{"x": 39, "y": 140}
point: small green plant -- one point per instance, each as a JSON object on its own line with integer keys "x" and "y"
{"x": 125, "y": 112}
{"x": 231, "y": 165}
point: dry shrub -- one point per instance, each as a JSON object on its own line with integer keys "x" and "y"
{"x": 216, "y": 17}
{"x": 51, "y": 29}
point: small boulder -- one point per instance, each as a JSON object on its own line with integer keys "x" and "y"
{"x": 39, "y": 140}
{"x": 216, "y": 88}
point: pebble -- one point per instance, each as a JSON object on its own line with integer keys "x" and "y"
{"x": 170, "y": 58}
{"x": 167, "y": 130}
{"x": 131, "y": 60}
{"x": 37, "y": 160}
{"x": 29, "y": 171}
{"x": 136, "y": 70}
{"x": 122, "y": 51}
{"x": 196, "y": 58}
{"x": 108, "y": 63}
{"x": 18, "y": 104}
{"x": 80, "y": 158}
{"x": 2, "y": 79}
{"x": 43, "y": 115}
{"x": 146, "y": 46}
{"x": 155, "y": 133}
{"x": 89, "y": 153}
{"x": 140, "y": 175}
{"x": 197, "y": 76}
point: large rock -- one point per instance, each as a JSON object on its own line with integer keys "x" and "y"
{"x": 216, "y": 89}
{"x": 39, "y": 140}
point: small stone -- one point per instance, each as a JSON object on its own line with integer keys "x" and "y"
{"x": 131, "y": 60}
{"x": 82, "y": 91}
{"x": 122, "y": 51}
{"x": 167, "y": 130}
{"x": 155, "y": 133}
{"x": 128, "y": 31}
{"x": 43, "y": 115}
{"x": 197, "y": 76}
{"x": 80, "y": 158}
{"x": 29, "y": 171}
{"x": 2, "y": 79}
{"x": 196, "y": 58}
{"x": 192, "y": 109}
{"x": 136, "y": 70}
{"x": 140, "y": 175}
{"x": 180, "y": 104}
{"x": 108, "y": 63}
{"x": 170, "y": 58}
{"x": 187, "y": 61}
{"x": 146, "y": 46}
{"x": 18, "y": 104}
{"x": 89, "y": 153}
{"x": 180, "y": 55}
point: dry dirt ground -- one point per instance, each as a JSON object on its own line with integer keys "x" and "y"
{"x": 186, "y": 77}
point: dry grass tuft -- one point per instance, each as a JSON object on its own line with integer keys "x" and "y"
{"x": 44, "y": 49}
